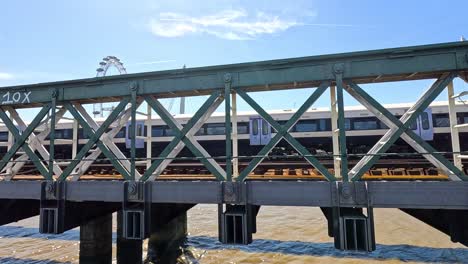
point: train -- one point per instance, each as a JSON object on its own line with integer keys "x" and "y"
{"x": 313, "y": 130}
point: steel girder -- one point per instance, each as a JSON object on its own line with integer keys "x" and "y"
{"x": 405, "y": 63}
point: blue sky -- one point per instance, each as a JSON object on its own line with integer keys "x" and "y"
{"x": 57, "y": 40}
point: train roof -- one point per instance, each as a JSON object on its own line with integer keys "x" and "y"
{"x": 311, "y": 110}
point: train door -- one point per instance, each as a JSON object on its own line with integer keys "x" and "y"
{"x": 254, "y": 131}
{"x": 260, "y": 131}
{"x": 140, "y": 132}
{"x": 265, "y": 137}
{"x": 426, "y": 130}
{"x": 423, "y": 125}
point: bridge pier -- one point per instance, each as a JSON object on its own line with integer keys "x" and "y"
{"x": 128, "y": 250}
{"x": 351, "y": 228}
{"x": 96, "y": 241}
{"x": 165, "y": 245}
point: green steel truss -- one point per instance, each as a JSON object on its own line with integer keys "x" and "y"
{"x": 282, "y": 132}
{"x": 347, "y": 71}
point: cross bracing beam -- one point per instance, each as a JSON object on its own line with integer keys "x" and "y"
{"x": 94, "y": 138}
{"x": 283, "y": 132}
{"x": 106, "y": 139}
{"x": 397, "y": 64}
{"x": 176, "y": 145}
{"x": 400, "y": 128}
{"x": 21, "y": 140}
{"x": 185, "y": 136}
{"x": 408, "y": 136}
{"x": 35, "y": 142}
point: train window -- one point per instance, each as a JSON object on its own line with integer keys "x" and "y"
{"x": 3, "y": 136}
{"x": 68, "y": 133}
{"x": 58, "y": 134}
{"x": 157, "y": 131}
{"x": 140, "y": 130}
{"x": 168, "y": 132}
{"x": 322, "y": 124}
{"x": 255, "y": 127}
{"x": 347, "y": 124}
{"x": 383, "y": 125}
{"x": 365, "y": 123}
{"x": 201, "y": 131}
{"x": 121, "y": 133}
{"x": 425, "y": 120}
{"x": 441, "y": 120}
{"x": 306, "y": 126}
{"x": 216, "y": 129}
{"x": 81, "y": 134}
{"x": 243, "y": 128}
{"x": 265, "y": 126}
{"x": 462, "y": 118}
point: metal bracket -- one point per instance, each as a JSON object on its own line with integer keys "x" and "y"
{"x": 353, "y": 194}
{"x": 234, "y": 192}
{"x": 52, "y": 207}
{"x": 338, "y": 68}
{"x": 237, "y": 218}
{"x": 136, "y": 208}
{"x": 350, "y": 227}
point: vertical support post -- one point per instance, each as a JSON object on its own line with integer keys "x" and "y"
{"x": 10, "y": 138}
{"x": 149, "y": 136}
{"x": 227, "y": 103}
{"x": 53, "y": 105}
{"x": 338, "y": 69}
{"x": 133, "y": 106}
{"x": 235, "y": 137}
{"x": 453, "y": 129}
{"x": 334, "y": 128}
{"x": 75, "y": 138}
{"x": 182, "y": 105}
{"x": 9, "y": 145}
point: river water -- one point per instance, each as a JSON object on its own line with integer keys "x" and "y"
{"x": 284, "y": 235}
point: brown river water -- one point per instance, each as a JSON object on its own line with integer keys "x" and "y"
{"x": 284, "y": 235}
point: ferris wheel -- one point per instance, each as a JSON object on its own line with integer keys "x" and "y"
{"x": 104, "y": 65}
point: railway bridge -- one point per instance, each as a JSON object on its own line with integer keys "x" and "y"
{"x": 151, "y": 204}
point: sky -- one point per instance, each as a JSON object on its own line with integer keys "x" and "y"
{"x": 59, "y": 40}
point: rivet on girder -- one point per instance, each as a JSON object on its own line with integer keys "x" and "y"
{"x": 346, "y": 191}
{"x": 338, "y": 68}
{"x": 49, "y": 188}
{"x": 134, "y": 86}
{"x": 227, "y": 77}
{"x": 132, "y": 188}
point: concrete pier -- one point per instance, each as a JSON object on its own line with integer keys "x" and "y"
{"x": 166, "y": 244}
{"x": 129, "y": 251}
{"x": 96, "y": 241}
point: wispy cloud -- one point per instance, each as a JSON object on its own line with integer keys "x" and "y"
{"x": 227, "y": 24}
{"x": 6, "y": 76}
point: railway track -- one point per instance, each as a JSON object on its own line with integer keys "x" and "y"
{"x": 386, "y": 169}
